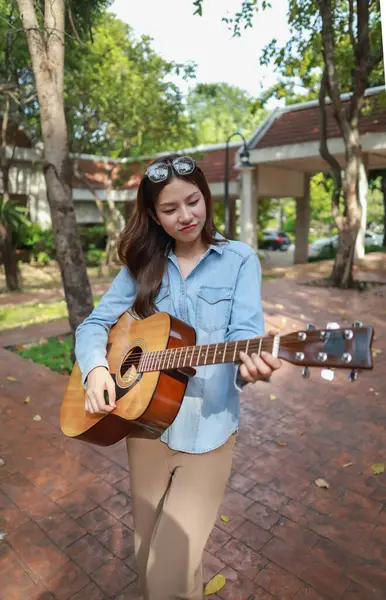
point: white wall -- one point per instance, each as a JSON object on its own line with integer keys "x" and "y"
{"x": 281, "y": 183}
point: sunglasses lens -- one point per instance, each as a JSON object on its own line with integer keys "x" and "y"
{"x": 184, "y": 165}
{"x": 158, "y": 172}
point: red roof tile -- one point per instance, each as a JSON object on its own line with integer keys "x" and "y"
{"x": 303, "y": 125}
{"x": 212, "y": 162}
{"x": 16, "y": 136}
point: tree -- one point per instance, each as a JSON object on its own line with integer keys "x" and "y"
{"x": 119, "y": 98}
{"x": 335, "y": 46}
{"x": 16, "y": 95}
{"x": 218, "y": 109}
{"x": 46, "y": 37}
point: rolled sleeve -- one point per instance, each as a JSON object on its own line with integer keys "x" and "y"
{"x": 247, "y": 318}
{"x": 92, "y": 334}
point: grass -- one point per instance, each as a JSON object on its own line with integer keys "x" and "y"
{"x": 31, "y": 313}
{"x": 55, "y": 353}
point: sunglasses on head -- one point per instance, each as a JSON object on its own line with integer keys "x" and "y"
{"x": 159, "y": 171}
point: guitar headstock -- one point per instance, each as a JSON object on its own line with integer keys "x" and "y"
{"x": 329, "y": 348}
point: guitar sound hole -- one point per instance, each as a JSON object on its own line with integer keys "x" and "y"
{"x": 129, "y": 367}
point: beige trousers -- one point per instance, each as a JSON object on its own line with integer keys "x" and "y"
{"x": 176, "y": 497}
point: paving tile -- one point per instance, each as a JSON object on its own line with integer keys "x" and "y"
{"x": 77, "y": 503}
{"x": 89, "y": 553}
{"x": 97, "y": 520}
{"x": 39, "y": 553}
{"x": 241, "y": 558}
{"x": 67, "y": 581}
{"x": 252, "y": 535}
{"x": 118, "y": 539}
{"x": 113, "y": 576}
{"x": 278, "y": 582}
{"x": 236, "y": 586}
{"x": 118, "y": 505}
{"x": 326, "y": 580}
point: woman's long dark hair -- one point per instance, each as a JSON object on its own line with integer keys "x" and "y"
{"x": 144, "y": 245}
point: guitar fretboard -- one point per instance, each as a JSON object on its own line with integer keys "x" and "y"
{"x": 209, "y": 354}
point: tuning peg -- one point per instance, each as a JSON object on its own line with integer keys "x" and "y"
{"x": 353, "y": 375}
{"x": 327, "y": 374}
{"x": 310, "y": 327}
{"x": 306, "y": 373}
{"x": 357, "y": 324}
{"x": 332, "y": 326}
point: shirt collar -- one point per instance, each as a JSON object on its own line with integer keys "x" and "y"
{"x": 219, "y": 248}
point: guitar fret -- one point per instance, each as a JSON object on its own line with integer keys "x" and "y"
{"x": 206, "y": 355}
{"x": 235, "y": 351}
{"x": 225, "y": 349}
{"x": 247, "y": 347}
{"x": 191, "y": 357}
{"x": 260, "y": 344}
{"x": 186, "y": 354}
{"x": 198, "y": 357}
{"x": 215, "y": 354}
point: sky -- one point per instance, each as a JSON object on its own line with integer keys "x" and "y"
{"x": 180, "y": 36}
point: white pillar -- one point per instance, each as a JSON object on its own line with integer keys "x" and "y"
{"x": 248, "y": 212}
{"x": 302, "y": 223}
{"x": 362, "y": 197}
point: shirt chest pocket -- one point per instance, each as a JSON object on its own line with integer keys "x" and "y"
{"x": 213, "y": 308}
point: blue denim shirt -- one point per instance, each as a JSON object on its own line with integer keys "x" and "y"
{"x": 221, "y": 299}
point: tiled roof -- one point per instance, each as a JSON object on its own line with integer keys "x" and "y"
{"x": 297, "y": 126}
{"x": 16, "y": 136}
{"x": 212, "y": 162}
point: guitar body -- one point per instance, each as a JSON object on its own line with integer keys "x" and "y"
{"x": 149, "y": 400}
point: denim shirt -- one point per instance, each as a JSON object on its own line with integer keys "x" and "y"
{"x": 221, "y": 299}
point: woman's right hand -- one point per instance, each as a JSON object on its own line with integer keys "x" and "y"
{"x": 99, "y": 381}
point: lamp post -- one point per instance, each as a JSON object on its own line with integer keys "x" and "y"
{"x": 244, "y": 158}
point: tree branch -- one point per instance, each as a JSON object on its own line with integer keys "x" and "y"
{"x": 332, "y": 79}
{"x": 361, "y": 61}
{"x": 324, "y": 151}
{"x": 73, "y": 25}
{"x": 350, "y": 25}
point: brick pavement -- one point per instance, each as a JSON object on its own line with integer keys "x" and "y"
{"x": 65, "y": 508}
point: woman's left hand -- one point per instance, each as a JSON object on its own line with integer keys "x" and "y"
{"x": 256, "y": 368}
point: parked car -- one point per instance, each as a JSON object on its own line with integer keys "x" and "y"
{"x": 326, "y": 247}
{"x": 275, "y": 240}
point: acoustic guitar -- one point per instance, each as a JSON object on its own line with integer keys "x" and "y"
{"x": 152, "y": 359}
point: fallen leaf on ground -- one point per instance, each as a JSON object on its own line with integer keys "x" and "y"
{"x": 376, "y": 351}
{"x": 272, "y": 397}
{"x": 28, "y": 399}
{"x": 322, "y": 483}
{"x": 225, "y": 518}
{"x": 281, "y": 443}
{"x": 215, "y": 584}
{"x": 37, "y": 418}
{"x": 2, "y": 535}
{"x": 11, "y": 378}
{"x": 347, "y": 464}
{"x": 2, "y": 462}
{"x": 279, "y": 306}
{"x": 378, "y": 468}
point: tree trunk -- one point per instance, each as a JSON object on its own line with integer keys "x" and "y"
{"x": 10, "y": 262}
{"x": 383, "y": 185}
{"x": 348, "y": 224}
{"x": 8, "y": 249}
{"x": 47, "y": 56}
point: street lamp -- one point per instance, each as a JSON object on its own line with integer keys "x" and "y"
{"x": 244, "y": 158}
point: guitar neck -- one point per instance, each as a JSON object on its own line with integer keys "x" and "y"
{"x": 209, "y": 354}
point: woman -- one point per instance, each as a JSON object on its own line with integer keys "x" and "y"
{"x": 176, "y": 262}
